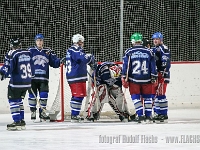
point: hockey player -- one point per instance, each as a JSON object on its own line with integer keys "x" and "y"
{"x": 76, "y": 73}
{"x": 109, "y": 89}
{"x": 146, "y": 43}
{"x": 162, "y": 54}
{"x": 43, "y": 57}
{"x": 138, "y": 73}
{"x": 18, "y": 64}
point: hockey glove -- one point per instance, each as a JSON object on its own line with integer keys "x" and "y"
{"x": 153, "y": 79}
{"x": 93, "y": 64}
{"x": 2, "y": 76}
{"x": 124, "y": 83}
{"x": 63, "y": 61}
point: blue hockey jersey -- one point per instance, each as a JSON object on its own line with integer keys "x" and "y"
{"x": 163, "y": 60}
{"x": 76, "y": 64}
{"x": 103, "y": 75}
{"x": 42, "y": 60}
{"x": 21, "y": 69}
{"x": 142, "y": 65}
{"x": 6, "y": 66}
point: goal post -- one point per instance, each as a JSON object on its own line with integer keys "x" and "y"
{"x": 60, "y": 109}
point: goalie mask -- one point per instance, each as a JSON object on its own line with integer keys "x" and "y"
{"x": 115, "y": 71}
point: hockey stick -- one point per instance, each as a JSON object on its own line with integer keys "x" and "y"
{"x": 126, "y": 79}
{"x": 88, "y": 94}
{"x": 38, "y": 101}
{"x": 158, "y": 89}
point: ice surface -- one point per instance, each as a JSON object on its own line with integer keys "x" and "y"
{"x": 86, "y": 136}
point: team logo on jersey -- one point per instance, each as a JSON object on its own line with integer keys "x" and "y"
{"x": 40, "y": 60}
{"x": 139, "y": 54}
{"x": 23, "y": 58}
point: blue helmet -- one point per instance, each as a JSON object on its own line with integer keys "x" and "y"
{"x": 157, "y": 35}
{"x": 39, "y": 36}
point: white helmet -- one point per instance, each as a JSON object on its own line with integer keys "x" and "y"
{"x": 115, "y": 71}
{"x": 77, "y": 37}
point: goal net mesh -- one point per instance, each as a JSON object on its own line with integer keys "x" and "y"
{"x": 99, "y": 22}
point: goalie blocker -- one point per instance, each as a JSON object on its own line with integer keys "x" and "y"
{"x": 109, "y": 90}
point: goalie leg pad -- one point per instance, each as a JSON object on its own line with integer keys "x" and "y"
{"x": 103, "y": 98}
{"x": 138, "y": 104}
{"x": 116, "y": 98}
{"x": 76, "y": 103}
{"x": 15, "y": 109}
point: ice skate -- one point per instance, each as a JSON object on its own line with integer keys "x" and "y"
{"x": 139, "y": 119}
{"x": 15, "y": 126}
{"x": 43, "y": 116}
{"x": 160, "y": 118}
{"x": 23, "y": 124}
{"x": 33, "y": 115}
{"x": 148, "y": 119}
{"x": 131, "y": 118}
{"x": 123, "y": 119}
{"x": 76, "y": 119}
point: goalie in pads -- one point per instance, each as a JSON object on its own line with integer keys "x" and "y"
{"x": 109, "y": 89}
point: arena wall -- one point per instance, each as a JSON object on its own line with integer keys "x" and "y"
{"x": 182, "y": 92}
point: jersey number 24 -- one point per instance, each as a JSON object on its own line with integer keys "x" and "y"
{"x": 139, "y": 67}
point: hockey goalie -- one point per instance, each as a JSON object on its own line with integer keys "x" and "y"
{"x": 107, "y": 88}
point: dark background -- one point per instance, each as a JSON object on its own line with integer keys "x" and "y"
{"x": 99, "y": 22}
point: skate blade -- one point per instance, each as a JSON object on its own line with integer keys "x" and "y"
{"x": 23, "y": 128}
{"x": 77, "y": 121}
{"x": 14, "y": 128}
{"x": 124, "y": 120}
{"x": 161, "y": 122}
{"x": 148, "y": 122}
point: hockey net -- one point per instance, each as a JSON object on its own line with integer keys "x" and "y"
{"x": 60, "y": 109}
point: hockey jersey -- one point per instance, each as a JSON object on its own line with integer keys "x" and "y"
{"x": 76, "y": 64}
{"x": 6, "y": 66}
{"x": 20, "y": 68}
{"x": 42, "y": 60}
{"x": 141, "y": 65}
{"x": 163, "y": 60}
{"x": 103, "y": 75}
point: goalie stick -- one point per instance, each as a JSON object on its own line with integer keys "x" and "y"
{"x": 126, "y": 79}
{"x": 88, "y": 94}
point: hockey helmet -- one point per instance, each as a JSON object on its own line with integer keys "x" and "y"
{"x": 39, "y": 36}
{"x": 77, "y": 37}
{"x": 146, "y": 42}
{"x": 157, "y": 35}
{"x": 136, "y": 37}
{"x": 115, "y": 71}
{"x": 15, "y": 42}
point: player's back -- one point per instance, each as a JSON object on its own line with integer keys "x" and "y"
{"x": 21, "y": 69}
{"x": 142, "y": 64}
{"x": 75, "y": 65}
